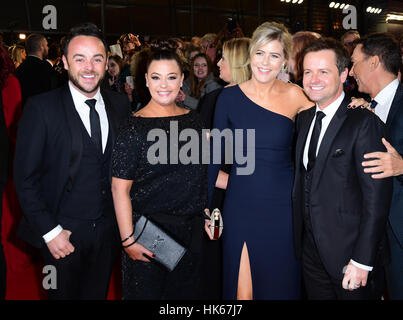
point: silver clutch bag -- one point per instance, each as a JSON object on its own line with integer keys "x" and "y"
{"x": 167, "y": 250}
{"x": 216, "y": 223}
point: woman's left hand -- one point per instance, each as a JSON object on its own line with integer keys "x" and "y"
{"x": 359, "y": 102}
{"x": 207, "y": 224}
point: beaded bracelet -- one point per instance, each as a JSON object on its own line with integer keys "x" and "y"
{"x": 128, "y": 237}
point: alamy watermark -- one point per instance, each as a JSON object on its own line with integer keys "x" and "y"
{"x": 237, "y": 148}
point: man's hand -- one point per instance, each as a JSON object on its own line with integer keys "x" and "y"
{"x": 354, "y": 277}
{"x": 60, "y": 246}
{"x": 385, "y": 164}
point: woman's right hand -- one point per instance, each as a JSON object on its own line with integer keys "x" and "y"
{"x": 137, "y": 251}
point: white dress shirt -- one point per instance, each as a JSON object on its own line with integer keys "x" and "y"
{"x": 384, "y": 99}
{"x": 84, "y": 112}
{"x": 329, "y": 111}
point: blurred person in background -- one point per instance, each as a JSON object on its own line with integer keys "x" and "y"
{"x": 10, "y": 112}
{"x": 35, "y": 74}
{"x": 18, "y": 54}
{"x": 200, "y": 81}
{"x": 300, "y": 40}
{"x": 114, "y": 76}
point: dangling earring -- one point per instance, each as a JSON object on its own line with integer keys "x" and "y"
{"x": 283, "y": 68}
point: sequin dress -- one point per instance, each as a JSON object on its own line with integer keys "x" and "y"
{"x": 175, "y": 190}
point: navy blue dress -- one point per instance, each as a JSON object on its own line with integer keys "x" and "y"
{"x": 257, "y": 207}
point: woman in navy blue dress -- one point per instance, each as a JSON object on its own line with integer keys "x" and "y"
{"x": 258, "y": 253}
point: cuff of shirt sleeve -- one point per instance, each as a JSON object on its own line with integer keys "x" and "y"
{"x": 52, "y": 234}
{"x": 361, "y": 266}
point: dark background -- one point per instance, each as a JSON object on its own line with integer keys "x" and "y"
{"x": 186, "y": 18}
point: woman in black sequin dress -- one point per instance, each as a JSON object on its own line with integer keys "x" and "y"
{"x": 173, "y": 195}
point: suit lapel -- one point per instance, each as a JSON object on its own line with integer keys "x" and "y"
{"x": 327, "y": 141}
{"x": 396, "y": 103}
{"x": 75, "y": 132}
{"x": 112, "y": 117}
{"x": 302, "y": 135}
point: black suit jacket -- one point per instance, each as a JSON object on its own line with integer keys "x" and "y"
{"x": 35, "y": 76}
{"x": 394, "y": 122}
{"x": 48, "y": 152}
{"x": 348, "y": 208}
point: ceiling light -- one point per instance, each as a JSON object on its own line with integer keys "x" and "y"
{"x": 331, "y": 5}
{"x": 337, "y": 5}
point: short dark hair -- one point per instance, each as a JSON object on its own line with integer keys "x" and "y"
{"x": 386, "y": 47}
{"x": 354, "y": 32}
{"x": 342, "y": 56}
{"x": 33, "y": 43}
{"x": 84, "y": 29}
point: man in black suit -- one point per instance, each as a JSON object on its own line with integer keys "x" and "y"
{"x": 340, "y": 212}
{"x": 35, "y": 73}
{"x": 377, "y": 60}
{"x": 62, "y": 171}
{"x": 4, "y": 158}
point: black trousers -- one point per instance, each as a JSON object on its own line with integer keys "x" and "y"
{"x": 320, "y": 285}
{"x": 3, "y": 266}
{"x": 85, "y": 273}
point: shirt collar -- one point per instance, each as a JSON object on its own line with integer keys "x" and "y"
{"x": 331, "y": 109}
{"x": 386, "y": 94}
{"x": 78, "y": 97}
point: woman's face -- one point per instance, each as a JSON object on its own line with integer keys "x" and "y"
{"x": 225, "y": 71}
{"x": 113, "y": 68}
{"x": 23, "y": 54}
{"x": 200, "y": 68}
{"x": 267, "y": 61}
{"x": 164, "y": 79}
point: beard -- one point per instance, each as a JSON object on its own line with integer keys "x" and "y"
{"x": 76, "y": 82}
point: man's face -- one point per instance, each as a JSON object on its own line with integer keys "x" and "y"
{"x": 86, "y": 64}
{"x": 348, "y": 42}
{"x": 361, "y": 69}
{"x": 322, "y": 82}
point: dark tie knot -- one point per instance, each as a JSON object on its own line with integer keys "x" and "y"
{"x": 320, "y": 115}
{"x": 91, "y": 103}
{"x": 373, "y": 104}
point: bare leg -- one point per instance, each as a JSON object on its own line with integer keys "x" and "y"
{"x": 245, "y": 291}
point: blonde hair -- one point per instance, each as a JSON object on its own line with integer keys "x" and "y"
{"x": 269, "y": 31}
{"x": 236, "y": 53}
{"x": 16, "y": 54}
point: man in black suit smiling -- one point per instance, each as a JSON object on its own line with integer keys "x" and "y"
{"x": 340, "y": 212}
{"x": 62, "y": 171}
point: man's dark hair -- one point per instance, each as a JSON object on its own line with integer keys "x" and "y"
{"x": 342, "y": 56}
{"x": 84, "y": 29}
{"x": 33, "y": 43}
{"x": 386, "y": 47}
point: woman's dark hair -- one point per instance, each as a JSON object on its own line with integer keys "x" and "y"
{"x": 165, "y": 50}
{"x": 119, "y": 61}
{"x": 6, "y": 67}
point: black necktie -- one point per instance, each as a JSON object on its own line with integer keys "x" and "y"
{"x": 373, "y": 104}
{"x": 313, "y": 144}
{"x": 95, "y": 124}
